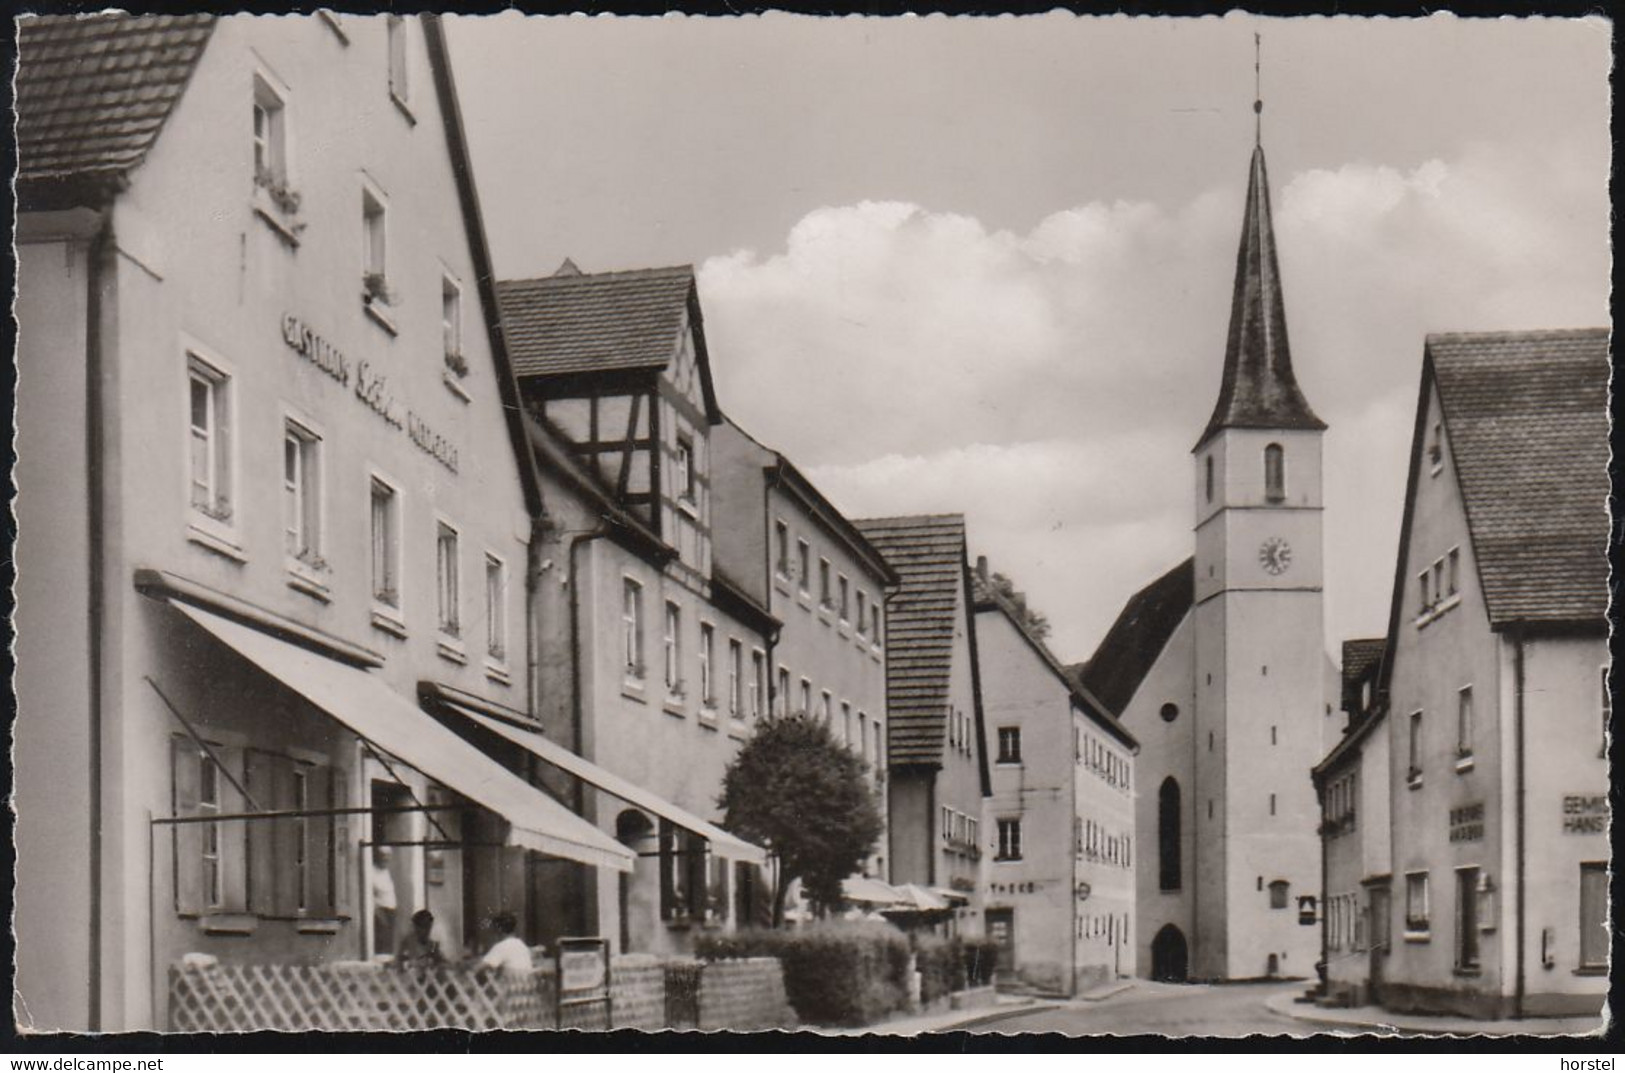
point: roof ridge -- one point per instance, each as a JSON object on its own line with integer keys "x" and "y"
{"x": 580, "y": 278}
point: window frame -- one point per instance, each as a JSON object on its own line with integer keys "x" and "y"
{"x": 1413, "y": 773}
{"x": 672, "y": 648}
{"x": 826, "y": 593}
{"x": 707, "y": 656}
{"x": 496, "y": 609}
{"x": 758, "y": 683}
{"x": 271, "y": 159}
{"x": 1465, "y": 727}
{"x": 448, "y": 579}
{"x": 396, "y": 43}
{"x": 1009, "y": 745}
{"x": 1418, "y": 926}
{"x": 804, "y": 567}
{"x": 218, "y": 440}
{"x": 632, "y": 640}
{"x": 311, "y": 519}
{"x": 375, "y": 276}
{"x": 393, "y": 515}
{"x": 1468, "y": 957}
{"x": 451, "y": 321}
{"x": 1275, "y": 478}
{"x": 1010, "y": 847}
{"x": 781, "y": 549}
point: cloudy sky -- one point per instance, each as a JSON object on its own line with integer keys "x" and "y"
{"x": 984, "y": 265}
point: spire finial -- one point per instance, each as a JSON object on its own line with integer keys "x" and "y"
{"x": 1258, "y": 94}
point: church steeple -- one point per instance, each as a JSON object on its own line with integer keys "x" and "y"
{"x": 1259, "y": 390}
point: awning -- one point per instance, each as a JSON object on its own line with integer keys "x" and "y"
{"x": 868, "y": 890}
{"x": 366, "y": 705}
{"x": 723, "y": 844}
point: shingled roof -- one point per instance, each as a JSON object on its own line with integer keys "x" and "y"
{"x": 581, "y": 323}
{"x": 1130, "y": 648}
{"x": 93, "y": 91}
{"x": 928, "y": 553}
{"x": 1259, "y": 389}
{"x": 1526, "y": 420}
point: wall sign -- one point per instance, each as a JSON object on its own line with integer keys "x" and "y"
{"x": 1585, "y": 814}
{"x": 370, "y": 386}
{"x": 1015, "y": 888}
{"x": 1467, "y": 823}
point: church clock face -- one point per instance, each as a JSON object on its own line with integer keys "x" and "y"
{"x": 1275, "y": 555}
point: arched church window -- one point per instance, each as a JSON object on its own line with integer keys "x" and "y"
{"x": 1209, "y": 467}
{"x": 1168, "y": 834}
{"x": 1274, "y": 473}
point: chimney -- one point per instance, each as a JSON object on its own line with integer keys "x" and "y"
{"x": 981, "y": 567}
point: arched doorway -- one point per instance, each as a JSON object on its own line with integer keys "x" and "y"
{"x": 1169, "y": 959}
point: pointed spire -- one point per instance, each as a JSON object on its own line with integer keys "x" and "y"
{"x": 1258, "y": 390}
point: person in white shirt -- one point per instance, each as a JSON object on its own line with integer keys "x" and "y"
{"x": 383, "y": 901}
{"x": 508, "y": 954}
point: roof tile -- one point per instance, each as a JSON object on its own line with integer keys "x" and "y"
{"x": 576, "y": 323}
{"x": 1130, "y": 648}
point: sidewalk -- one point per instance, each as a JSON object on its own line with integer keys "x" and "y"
{"x": 949, "y": 1020}
{"x": 1375, "y": 1020}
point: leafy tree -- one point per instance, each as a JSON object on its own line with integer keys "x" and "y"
{"x": 796, "y": 791}
{"x": 1036, "y": 622}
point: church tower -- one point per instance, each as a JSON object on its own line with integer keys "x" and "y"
{"x": 1259, "y": 636}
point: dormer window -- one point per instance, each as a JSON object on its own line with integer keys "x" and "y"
{"x": 1274, "y": 473}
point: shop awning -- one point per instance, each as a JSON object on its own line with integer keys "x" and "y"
{"x": 867, "y": 889}
{"x": 723, "y": 844}
{"x": 368, "y": 706}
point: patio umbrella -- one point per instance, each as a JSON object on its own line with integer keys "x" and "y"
{"x": 913, "y": 898}
{"x": 868, "y": 891}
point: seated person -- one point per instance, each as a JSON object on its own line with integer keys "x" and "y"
{"x": 509, "y": 954}
{"x": 418, "y": 950}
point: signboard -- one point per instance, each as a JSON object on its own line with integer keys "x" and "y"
{"x": 583, "y": 975}
{"x": 1585, "y": 814}
{"x": 1467, "y": 823}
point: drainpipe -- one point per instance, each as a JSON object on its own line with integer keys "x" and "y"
{"x": 1518, "y": 750}
{"x": 533, "y": 610}
{"x": 1325, "y": 972}
{"x": 95, "y": 516}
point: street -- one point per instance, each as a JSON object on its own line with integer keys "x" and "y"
{"x": 1160, "y": 1009}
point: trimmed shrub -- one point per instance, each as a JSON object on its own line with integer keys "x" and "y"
{"x": 941, "y": 964}
{"x": 981, "y": 958}
{"x": 835, "y": 972}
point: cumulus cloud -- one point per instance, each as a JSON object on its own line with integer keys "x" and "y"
{"x": 1050, "y": 384}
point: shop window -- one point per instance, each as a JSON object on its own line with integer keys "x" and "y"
{"x": 758, "y": 682}
{"x": 302, "y": 494}
{"x": 448, "y": 580}
{"x": 708, "y": 665}
{"x": 1009, "y": 745}
{"x": 386, "y": 550}
{"x": 1594, "y": 933}
{"x": 1416, "y": 904}
{"x": 398, "y": 85}
{"x": 1168, "y": 835}
{"x": 1274, "y": 473}
{"x": 210, "y": 431}
{"x": 496, "y": 604}
{"x": 1467, "y": 923}
{"x": 632, "y": 627}
{"x": 682, "y": 874}
{"x": 672, "y": 642}
{"x": 781, "y": 549}
{"x": 1009, "y": 840}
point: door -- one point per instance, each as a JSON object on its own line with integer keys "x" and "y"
{"x": 1169, "y": 956}
{"x": 1380, "y": 905}
{"x": 1001, "y": 928}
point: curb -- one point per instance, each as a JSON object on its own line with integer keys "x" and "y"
{"x": 1536, "y": 1027}
{"x": 992, "y": 1017}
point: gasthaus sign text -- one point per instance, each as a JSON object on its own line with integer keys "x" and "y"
{"x": 370, "y": 385}
{"x": 1585, "y": 814}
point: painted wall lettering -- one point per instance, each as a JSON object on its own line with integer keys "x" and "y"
{"x": 1585, "y": 814}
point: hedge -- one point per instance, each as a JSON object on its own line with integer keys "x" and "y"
{"x": 835, "y": 972}
{"x": 941, "y": 963}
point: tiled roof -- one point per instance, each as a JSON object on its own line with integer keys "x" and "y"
{"x": 1258, "y": 389}
{"x": 578, "y": 323}
{"x": 93, "y": 91}
{"x": 1526, "y": 420}
{"x": 1130, "y": 648}
{"x": 989, "y": 598}
{"x": 928, "y": 553}
{"x": 1360, "y": 655}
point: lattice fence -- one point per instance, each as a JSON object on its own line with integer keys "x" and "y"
{"x": 354, "y": 998}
